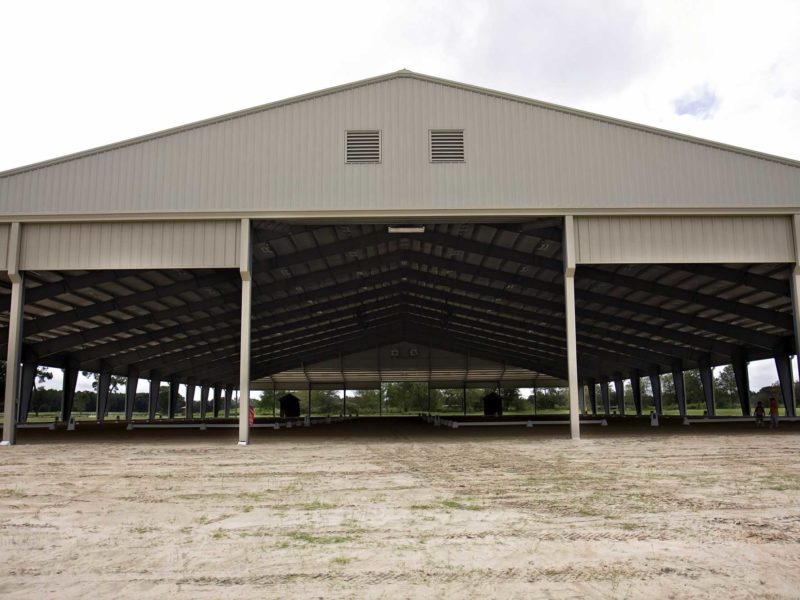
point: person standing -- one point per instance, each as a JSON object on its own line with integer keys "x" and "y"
{"x": 773, "y": 413}
{"x": 759, "y": 414}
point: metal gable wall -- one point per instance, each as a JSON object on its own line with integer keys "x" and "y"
{"x": 290, "y": 159}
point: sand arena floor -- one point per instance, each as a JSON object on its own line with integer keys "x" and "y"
{"x": 402, "y": 510}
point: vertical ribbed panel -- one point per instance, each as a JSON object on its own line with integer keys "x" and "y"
{"x": 629, "y": 240}
{"x": 289, "y": 159}
{"x": 143, "y": 245}
{"x": 5, "y": 230}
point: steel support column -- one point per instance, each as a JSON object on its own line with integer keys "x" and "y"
{"x": 14, "y": 350}
{"x": 245, "y": 270}
{"x": 680, "y": 389}
{"x": 190, "y": 387}
{"x": 103, "y": 389}
{"x": 217, "y": 402}
{"x": 605, "y": 397}
{"x": 636, "y": 388}
{"x": 131, "y": 384}
{"x": 228, "y": 398}
{"x": 795, "y": 287}
{"x": 740, "y": 372}
{"x": 174, "y": 387}
{"x": 655, "y": 385}
{"x": 591, "y": 384}
{"x": 783, "y": 363}
{"x": 152, "y": 401}
{"x": 571, "y": 331}
{"x": 707, "y": 380}
{"x": 71, "y": 370}
{"x": 26, "y": 390}
{"x": 204, "y": 389}
{"x": 619, "y": 390}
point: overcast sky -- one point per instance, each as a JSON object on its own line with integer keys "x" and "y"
{"x": 80, "y": 74}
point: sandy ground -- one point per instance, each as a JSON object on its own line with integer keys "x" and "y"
{"x": 403, "y": 511}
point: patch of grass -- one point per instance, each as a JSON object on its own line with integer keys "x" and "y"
{"x": 251, "y": 496}
{"x": 341, "y": 561}
{"x": 302, "y": 536}
{"x": 202, "y": 520}
{"x": 630, "y": 526}
{"x": 317, "y": 505}
{"x": 247, "y": 509}
{"x": 144, "y": 529}
{"x": 219, "y": 534}
{"x": 449, "y": 503}
{"x": 455, "y": 504}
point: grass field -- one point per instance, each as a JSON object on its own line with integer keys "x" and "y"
{"x": 400, "y": 509}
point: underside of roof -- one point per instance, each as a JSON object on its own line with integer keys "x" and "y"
{"x": 329, "y": 300}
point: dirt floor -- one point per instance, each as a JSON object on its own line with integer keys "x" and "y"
{"x": 400, "y": 509}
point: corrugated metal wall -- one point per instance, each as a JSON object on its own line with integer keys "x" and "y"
{"x": 4, "y": 234}
{"x": 616, "y": 240}
{"x": 291, "y": 158}
{"x": 146, "y": 245}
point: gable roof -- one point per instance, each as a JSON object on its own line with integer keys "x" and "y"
{"x": 402, "y": 73}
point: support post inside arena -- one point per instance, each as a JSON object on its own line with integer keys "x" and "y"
{"x": 572, "y": 341}
{"x": 15, "y": 318}
{"x": 245, "y": 259}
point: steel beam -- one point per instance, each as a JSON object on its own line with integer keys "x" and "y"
{"x": 755, "y": 313}
{"x": 16, "y": 317}
{"x": 174, "y": 386}
{"x": 217, "y": 400}
{"x": 103, "y": 389}
{"x": 245, "y": 268}
{"x": 605, "y": 397}
{"x": 740, "y": 372}
{"x": 27, "y": 385}
{"x": 190, "y": 387}
{"x": 131, "y": 384}
{"x": 204, "y": 389}
{"x": 619, "y": 393}
{"x": 70, "y": 381}
{"x": 783, "y": 364}
{"x": 155, "y": 388}
{"x": 228, "y": 399}
{"x": 655, "y": 385}
{"x": 592, "y": 388}
{"x": 680, "y": 389}
{"x": 707, "y": 380}
{"x": 636, "y": 388}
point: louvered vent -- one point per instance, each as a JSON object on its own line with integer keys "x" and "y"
{"x": 363, "y": 147}
{"x": 447, "y": 145}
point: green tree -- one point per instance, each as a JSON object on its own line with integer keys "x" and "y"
{"x": 725, "y": 385}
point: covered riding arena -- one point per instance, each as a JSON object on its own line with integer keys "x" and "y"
{"x": 399, "y": 229}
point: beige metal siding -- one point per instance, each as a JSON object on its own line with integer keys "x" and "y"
{"x": 290, "y": 159}
{"x": 4, "y": 234}
{"x": 621, "y": 240}
{"x": 146, "y": 245}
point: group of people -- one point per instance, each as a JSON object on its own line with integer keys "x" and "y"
{"x": 773, "y": 414}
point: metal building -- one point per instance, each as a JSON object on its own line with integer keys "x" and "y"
{"x": 504, "y": 238}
